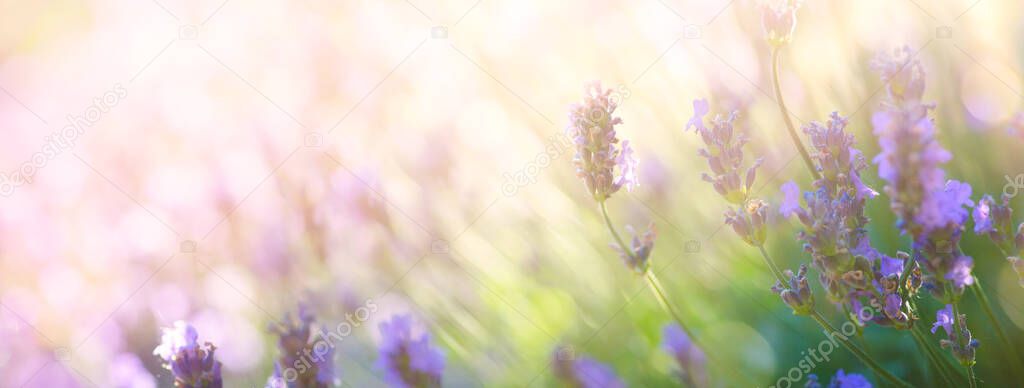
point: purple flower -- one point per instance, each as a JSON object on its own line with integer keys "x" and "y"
{"x": 640, "y": 246}
{"x": 408, "y": 361}
{"x": 960, "y": 272}
{"x": 598, "y": 153}
{"x": 127, "y": 371}
{"x": 797, "y": 293}
{"x": 840, "y": 380}
{"x": 778, "y": 19}
{"x": 627, "y": 164}
{"x": 750, "y": 222}
{"x": 790, "y": 199}
{"x": 584, "y": 372}
{"x": 306, "y": 361}
{"x": 724, "y": 153}
{"x": 946, "y": 207}
{"x": 852, "y": 380}
{"x": 193, "y": 365}
{"x": 944, "y": 319}
{"x": 902, "y": 74}
{"x": 688, "y": 356}
{"x": 982, "y": 221}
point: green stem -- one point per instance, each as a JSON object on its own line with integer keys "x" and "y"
{"x": 987, "y": 307}
{"x": 934, "y": 359}
{"x": 863, "y": 357}
{"x": 659, "y": 293}
{"x": 785, "y": 117}
{"x": 771, "y": 264}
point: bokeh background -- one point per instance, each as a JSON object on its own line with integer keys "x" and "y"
{"x": 261, "y": 153}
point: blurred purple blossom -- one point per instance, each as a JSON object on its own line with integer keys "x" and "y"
{"x": 408, "y": 361}
{"x": 193, "y": 365}
{"x": 690, "y": 358}
{"x": 585, "y": 372}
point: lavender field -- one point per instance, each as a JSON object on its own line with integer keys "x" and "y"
{"x": 493, "y": 193}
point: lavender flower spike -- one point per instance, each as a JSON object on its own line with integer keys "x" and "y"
{"x": 583, "y": 372}
{"x": 408, "y": 361}
{"x": 641, "y": 246}
{"x": 192, "y": 365}
{"x": 690, "y": 358}
{"x": 598, "y": 152}
{"x": 305, "y": 362}
{"x": 797, "y": 294}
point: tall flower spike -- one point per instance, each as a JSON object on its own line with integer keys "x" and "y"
{"x": 407, "y": 361}
{"x": 304, "y": 362}
{"x": 690, "y": 358}
{"x": 778, "y": 19}
{"x": 598, "y": 152}
{"x": 192, "y": 365}
{"x": 584, "y": 372}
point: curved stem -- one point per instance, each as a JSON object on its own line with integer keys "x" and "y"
{"x": 659, "y": 293}
{"x": 771, "y": 264}
{"x": 863, "y": 357}
{"x": 785, "y": 117}
{"x": 934, "y": 359}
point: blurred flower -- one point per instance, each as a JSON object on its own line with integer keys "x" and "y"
{"x": 640, "y": 246}
{"x": 584, "y": 372}
{"x": 840, "y": 380}
{"x": 303, "y": 363}
{"x": 408, "y": 361}
{"x": 689, "y": 357}
{"x": 902, "y": 74}
{"x": 193, "y": 365}
{"x": 598, "y": 153}
{"x": 797, "y": 294}
{"x": 778, "y": 19}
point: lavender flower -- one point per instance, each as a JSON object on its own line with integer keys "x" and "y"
{"x": 584, "y": 372}
{"x": 304, "y": 361}
{"x": 640, "y": 246}
{"x": 778, "y": 19}
{"x": 689, "y": 357}
{"x": 840, "y": 380}
{"x": 408, "y": 361}
{"x": 994, "y": 219}
{"x": 833, "y": 215}
{"x": 797, "y": 294}
{"x": 598, "y": 153}
{"x": 960, "y": 343}
{"x": 929, "y": 209}
{"x": 193, "y": 365}
{"x": 724, "y": 153}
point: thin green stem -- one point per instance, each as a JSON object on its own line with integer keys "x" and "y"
{"x": 934, "y": 359}
{"x": 659, "y": 293}
{"x": 971, "y": 378}
{"x": 863, "y": 357}
{"x": 987, "y": 307}
{"x": 771, "y": 264}
{"x": 785, "y": 117}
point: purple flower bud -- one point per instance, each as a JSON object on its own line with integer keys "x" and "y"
{"x": 902, "y": 74}
{"x": 640, "y": 247}
{"x": 778, "y": 19}
{"x": 300, "y": 346}
{"x": 797, "y": 294}
{"x": 598, "y": 153}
